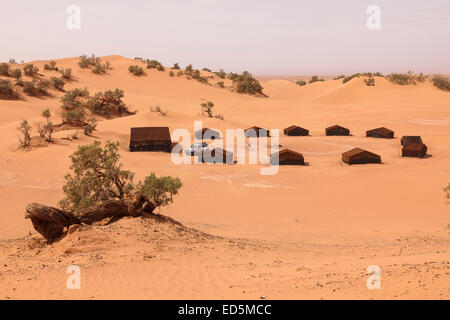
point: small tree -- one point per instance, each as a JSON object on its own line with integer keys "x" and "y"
{"x": 6, "y": 90}
{"x": 97, "y": 176}
{"x": 315, "y": 79}
{"x": 17, "y": 74}
{"x": 207, "y": 109}
{"x": 300, "y": 83}
{"x": 66, "y": 73}
{"x": 25, "y": 136}
{"x": 57, "y": 83}
{"x": 136, "y": 70}
{"x": 176, "y": 66}
{"x": 48, "y": 128}
{"x": 4, "y": 69}
{"x": 51, "y": 66}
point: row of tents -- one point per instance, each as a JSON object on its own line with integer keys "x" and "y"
{"x": 158, "y": 139}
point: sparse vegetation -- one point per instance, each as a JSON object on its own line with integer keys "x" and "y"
{"x": 6, "y": 90}
{"x": 72, "y": 106}
{"x": 245, "y": 83}
{"x": 90, "y": 127}
{"x": 47, "y": 129}
{"x": 180, "y": 73}
{"x": 16, "y": 74}
{"x": 370, "y": 82}
{"x": 159, "y": 110}
{"x": 155, "y": 64}
{"x": 176, "y": 66}
{"x": 315, "y": 79}
{"x": 36, "y": 88}
{"x": 300, "y": 83}
{"x": 447, "y": 192}
{"x": 30, "y": 70}
{"x": 51, "y": 66}
{"x": 221, "y": 84}
{"x": 4, "y": 69}
{"x": 57, "y": 83}
{"x": 197, "y": 76}
{"x": 189, "y": 68}
{"x": 342, "y": 76}
{"x": 25, "y": 134}
{"x": 98, "y": 67}
{"x": 66, "y": 73}
{"x": 441, "y": 83}
{"x": 97, "y": 176}
{"x": 206, "y": 69}
{"x": 405, "y": 79}
{"x": 207, "y": 108}
{"x": 136, "y": 70}
{"x": 12, "y": 61}
{"x": 171, "y": 74}
{"x": 221, "y": 74}
{"x": 348, "y": 78}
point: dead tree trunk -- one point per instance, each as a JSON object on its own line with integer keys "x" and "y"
{"x": 52, "y": 223}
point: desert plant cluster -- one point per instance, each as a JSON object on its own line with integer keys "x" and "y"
{"x": 207, "y": 110}
{"x": 95, "y": 64}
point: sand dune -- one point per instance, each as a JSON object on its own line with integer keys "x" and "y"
{"x": 307, "y": 232}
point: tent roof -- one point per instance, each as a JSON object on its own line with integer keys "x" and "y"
{"x": 150, "y": 134}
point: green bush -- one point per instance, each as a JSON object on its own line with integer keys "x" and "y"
{"x": 245, "y": 83}
{"x": 73, "y": 106}
{"x": 370, "y": 82}
{"x": 30, "y": 70}
{"x": 207, "y": 109}
{"x": 176, "y": 66}
{"x": 197, "y": 76}
{"x": 206, "y": 69}
{"x": 97, "y": 175}
{"x": 155, "y": 64}
{"x": 6, "y": 90}
{"x": 136, "y": 70}
{"x": 339, "y": 77}
{"x": 300, "y": 83}
{"x": 347, "y": 79}
{"x": 108, "y": 104}
{"x": 221, "y": 74}
{"x": 74, "y": 116}
{"x": 315, "y": 79}
{"x": 402, "y": 79}
{"x": 25, "y": 135}
{"x": 4, "y": 69}
{"x": 189, "y": 68}
{"x": 87, "y": 62}
{"x": 441, "y": 83}
{"x": 171, "y": 74}
{"x": 57, "y": 83}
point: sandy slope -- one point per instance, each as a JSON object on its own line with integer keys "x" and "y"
{"x": 326, "y": 222}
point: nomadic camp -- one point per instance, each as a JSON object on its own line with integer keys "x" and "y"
{"x": 413, "y": 149}
{"x": 207, "y": 134}
{"x": 296, "y": 131}
{"x": 413, "y": 139}
{"x": 218, "y": 155}
{"x": 380, "y": 133}
{"x": 256, "y": 132}
{"x": 287, "y": 157}
{"x": 337, "y": 130}
{"x": 150, "y": 139}
{"x": 360, "y": 156}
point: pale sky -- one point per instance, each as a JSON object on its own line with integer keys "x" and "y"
{"x": 282, "y": 37}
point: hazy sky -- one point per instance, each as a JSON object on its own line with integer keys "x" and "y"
{"x": 265, "y": 37}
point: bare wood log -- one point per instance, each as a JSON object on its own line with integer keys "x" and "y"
{"x": 52, "y": 223}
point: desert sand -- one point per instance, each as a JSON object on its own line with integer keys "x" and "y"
{"x": 305, "y": 233}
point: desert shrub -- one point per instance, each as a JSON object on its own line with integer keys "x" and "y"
{"x": 99, "y": 69}
{"x": 108, "y": 104}
{"x": 57, "y": 83}
{"x": 72, "y": 105}
{"x": 51, "y": 66}
{"x": 30, "y": 70}
{"x": 155, "y": 64}
{"x": 4, "y": 69}
{"x": 180, "y": 73}
{"x": 176, "y": 66}
{"x": 48, "y": 128}
{"x": 315, "y": 79}
{"x": 300, "y": 83}
{"x": 378, "y": 74}
{"x": 24, "y": 134}
{"x": 221, "y": 74}
{"x": 16, "y": 73}
{"x": 97, "y": 175}
{"x": 402, "y": 79}
{"x": 189, "y": 68}
{"x": 219, "y": 116}
{"x": 207, "y": 108}
{"x": 136, "y": 70}
{"x": 90, "y": 127}
{"x": 36, "y": 88}
{"x": 206, "y": 69}
{"x": 87, "y": 62}
{"x": 171, "y": 74}
{"x": 245, "y": 83}
{"x": 441, "y": 83}
{"x": 66, "y": 73}
{"x": 159, "y": 110}
{"x": 197, "y": 76}
{"x": 370, "y": 82}
{"x": 347, "y": 79}
{"x": 221, "y": 84}
{"x": 12, "y": 61}
{"x": 6, "y": 90}
{"x": 342, "y": 76}
{"x": 74, "y": 116}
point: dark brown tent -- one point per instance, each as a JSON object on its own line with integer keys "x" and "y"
{"x": 413, "y": 139}
{"x": 206, "y": 133}
{"x": 296, "y": 131}
{"x": 257, "y": 132}
{"x": 287, "y": 157}
{"x": 337, "y": 131}
{"x": 380, "y": 133}
{"x": 150, "y": 139}
{"x": 218, "y": 155}
{"x": 412, "y": 149}
{"x": 360, "y": 156}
